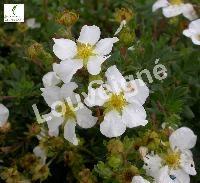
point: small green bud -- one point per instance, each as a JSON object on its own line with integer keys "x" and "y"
{"x": 22, "y": 27}
{"x": 115, "y": 161}
{"x": 85, "y": 176}
{"x": 127, "y": 37}
{"x": 28, "y": 161}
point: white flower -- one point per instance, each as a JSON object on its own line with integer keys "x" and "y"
{"x": 193, "y": 31}
{"x": 177, "y": 164}
{"x": 122, "y": 103}
{"x": 32, "y": 24}
{"x": 40, "y": 153}
{"x": 89, "y": 51}
{"x": 172, "y": 8}
{"x": 4, "y": 114}
{"x": 50, "y": 79}
{"x": 139, "y": 179}
{"x": 62, "y": 101}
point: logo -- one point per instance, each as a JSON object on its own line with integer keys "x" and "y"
{"x": 13, "y": 12}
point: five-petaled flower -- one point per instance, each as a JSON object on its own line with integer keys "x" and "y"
{"x": 88, "y": 52}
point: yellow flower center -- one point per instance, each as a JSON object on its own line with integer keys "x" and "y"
{"x": 172, "y": 159}
{"x": 116, "y": 102}
{"x": 84, "y": 51}
{"x": 66, "y": 110}
{"x": 176, "y": 2}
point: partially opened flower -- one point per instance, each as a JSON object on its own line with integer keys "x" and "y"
{"x": 89, "y": 52}
{"x": 66, "y": 111}
{"x": 122, "y": 103}
{"x": 40, "y": 153}
{"x": 4, "y": 114}
{"x": 172, "y": 8}
{"x": 32, "y": 24}
{"x": 193, "y": 31}
{"x": 177, "y": 164}
{"x": 139, "y": 179}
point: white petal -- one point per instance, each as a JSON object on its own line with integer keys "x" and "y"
{"x": 136, "y": 92}
{"x": 89, "y": 34}
{"x": 134, "y": 115}
{"x": 119, "y": 29}
{"x": 195, "y": 39}
{"x": 152, "y": 164}
{"x": 69, "y": 132}
{"x": 4, "y": 114}
{"x": 187, "y": 33}
{"x": 172, "y": 10}
{"x": 104, "y": 46}
{"x": 183, "y": 138}
{"x": 163, "y": 176}
{"x": 112, "y": 125}
{"x": 96, "y": 97}
{"x": 50, "y": 79}
{"x": 39, "y": 152}
{"x": 160, "y": 4}
{"x": 66, "y": 69}
{"x": 115, "y": 79}
{"x": 195, "y": 25}
{"x": 189, "y": 12}
{"x": 139, "y": 179}
{"x": 94, "y": 64}
{"x": 84, "y": 118}
{"x": 67, "y": 92}
{"x": 31, "y": 23}
{"x": 187, "y": 163}
{"x": 53, "y": 124}
{"x": 64, "y": 48}
{"x": 52, "y": 95}
{"x": 179, "y": 176}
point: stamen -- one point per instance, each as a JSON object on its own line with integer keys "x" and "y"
{"x": 84, "y": 51}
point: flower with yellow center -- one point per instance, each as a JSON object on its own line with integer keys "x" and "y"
{"x": 177, "y": 164}
{"x": 66, "y": 111}
{"x": 88, "y": 52}
{"x": 172, "y": 8}
{"x": 122, "y": 102}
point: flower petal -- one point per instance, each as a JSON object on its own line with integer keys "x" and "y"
{"x": 64, "y": 48}
{"x": 39, "y": 152}
{"x": 172, "y": 10}
{"x": 66, "y": 69}
{"x": 195, "y": 39}
{"x": 67, "y": 92}
{"x": 84, "y": 117}
{"x": 183, "y": 138}
{"x": 51, "y": 95}
{"x": 189, "y": 12}
{"x": 50, "y": 79}
{"x": 96, "y": 97}
{"x": 89, "y": 35}
{"x": 53, "y": 124}
{"x": 195, "y": 25}
{"x": 179, "y": 176}
{"x": 136, "y": 92}
{"x": 187, "y": 163}
{"x": 94, "y": 64}
{"x": 134, "y": 115}
{"x": 112, "y": 125}
{"x": 152, "y": 164}
{"x": 4, "y": 114}
{"x": 159, "y": 4}
{"x": 115, "y": 79}
{"x": 104, "y": 46}
{"x": 163, "y": 176}
{"x": 69, "y": 132}
{"x": 139, "y": 179}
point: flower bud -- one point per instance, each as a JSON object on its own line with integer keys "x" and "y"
{"x": 127, "y": 36}
{"x": 67, "y": 18}
{"x": 40, "y": 172}
{"x": 34, "y": 129}
{"x": 123, "y": 14}
{"x": 86, "y": 176}
{"x": 115, "y": 161}
{"x": 34, "y": 50}
{"x": 22, "y": 27}
{"x": 28, "y": 161}
{"x": 143, "y": 151}
{"x": 115, "y": 146}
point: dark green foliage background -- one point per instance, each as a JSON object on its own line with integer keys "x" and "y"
{"x": 178, "y": 95}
